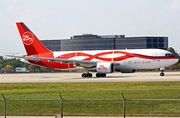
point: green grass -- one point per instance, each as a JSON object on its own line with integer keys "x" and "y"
{"x": 101, "y": 90}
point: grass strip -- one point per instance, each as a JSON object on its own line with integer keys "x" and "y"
{"x": 101, "y": 90}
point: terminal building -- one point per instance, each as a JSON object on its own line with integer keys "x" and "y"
{"x": 106, "y": 42}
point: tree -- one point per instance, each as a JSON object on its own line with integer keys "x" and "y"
{"x": 170, "y": 49}
{"x": 34, "y": 68}
{"x": 13, "y": 62}
{"x": 1, "y": 58}
{"x": 45, "y": 69}
{"x": 9, "y": 67}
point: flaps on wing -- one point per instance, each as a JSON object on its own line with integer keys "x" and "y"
{"x": 23, "y": 57}
{"x": 63, "y": 60}
{"x": 52, "y": 59}
{"x": 81, "y": 63}
{"x": 19, "y": 57}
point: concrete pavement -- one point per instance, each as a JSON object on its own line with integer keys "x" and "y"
{"x": 76, "y": 77}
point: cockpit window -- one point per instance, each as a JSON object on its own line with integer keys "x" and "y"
{"x": 168, "y": 54}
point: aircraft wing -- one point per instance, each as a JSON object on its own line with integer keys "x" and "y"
{"x": 19, "y": 57}
{"x": 81, "y": 63}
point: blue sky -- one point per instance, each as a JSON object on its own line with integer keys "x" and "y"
{"x": 61, "y": 19}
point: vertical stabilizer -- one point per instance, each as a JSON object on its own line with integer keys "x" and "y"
{"x": 31, "y": 43}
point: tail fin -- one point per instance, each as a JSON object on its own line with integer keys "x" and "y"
{"x": 31, "y": 43}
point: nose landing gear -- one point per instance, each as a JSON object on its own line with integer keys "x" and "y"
{"x": 162, "y": 72}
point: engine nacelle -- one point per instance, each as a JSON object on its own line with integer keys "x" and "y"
{"x": 105, "y": 67}
{"x": 128, "y": 70}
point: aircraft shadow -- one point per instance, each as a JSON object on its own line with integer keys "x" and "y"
{"x": 172, "y": 74}
{"x": 117, "y": 76}
{"x": 105, "y": 77}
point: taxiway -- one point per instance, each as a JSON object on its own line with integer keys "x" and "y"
{"x": 76, "y": 77}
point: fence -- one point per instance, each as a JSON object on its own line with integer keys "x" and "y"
{"x": 91, "y": 107}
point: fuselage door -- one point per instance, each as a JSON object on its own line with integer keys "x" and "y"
{"x": 154, "y": 54}
{"x": 155, "y": 60}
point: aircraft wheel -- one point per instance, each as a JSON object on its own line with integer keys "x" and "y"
{"x": 84, "y": 75}
{"x": 161, "y": 74}
{"x": 98, "y": 75}
{"x": 101, "y": 75}
{"x": 89, "y": 74}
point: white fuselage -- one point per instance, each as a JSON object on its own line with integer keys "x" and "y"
{"x": 127, "y": 59}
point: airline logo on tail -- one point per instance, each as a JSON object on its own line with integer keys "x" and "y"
{"x": 28, "y": 38}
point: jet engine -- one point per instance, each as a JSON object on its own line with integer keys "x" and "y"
{"x": 105, "y": 67}
{"x": 128, "y": 70}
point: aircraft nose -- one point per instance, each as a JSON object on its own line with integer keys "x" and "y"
{"x": 176, "y": 60}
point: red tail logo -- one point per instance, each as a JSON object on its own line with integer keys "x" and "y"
{"x": 101, "y": 67}
{"x": 28, "y": 38}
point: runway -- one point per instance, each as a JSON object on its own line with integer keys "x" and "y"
{"x": 76, "y": 77}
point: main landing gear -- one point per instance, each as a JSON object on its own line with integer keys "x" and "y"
{"x": 101, "y": 75}
{"x": 89, "y": 75}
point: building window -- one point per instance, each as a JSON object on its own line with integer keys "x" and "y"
{"x": 155, "y": 40}
{"x": 161, "y": 40}
{"x": 148, "y": 40}
{"x": 149, "y": 46}
{"x": 155, "y": 45}
{"x": 161, "y": 45}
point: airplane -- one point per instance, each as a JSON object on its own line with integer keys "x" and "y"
{"x": 101, "y": 61}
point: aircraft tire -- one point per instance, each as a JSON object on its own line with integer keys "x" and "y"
{"x": 161, "y": 74}
{"x": 84, "y": 75}
{"x": 89, "y": 75}
{"x": 103, "y": 75}
{"x": 97, "y": 74}
{"x": 100, "y": 74}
